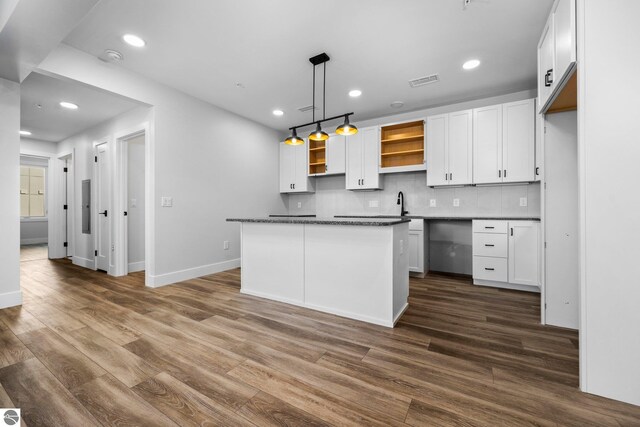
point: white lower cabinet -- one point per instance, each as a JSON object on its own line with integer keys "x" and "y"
{"x": 418, "y": 248}
{"x": 506, "y": 254}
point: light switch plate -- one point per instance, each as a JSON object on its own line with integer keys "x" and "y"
{"x": 456, "y": 203}
{"x": 134, "y": 203}
{"x": 166, "y": 202}
{"x": 225, "y": 245}
{"x": 432, "y": 203}
{"x": 299, "y": 205}
{"x": 523, "y": 201}
{"x": 374, "y": 203}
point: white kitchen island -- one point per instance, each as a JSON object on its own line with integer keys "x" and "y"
{"x": 352, "y": 267}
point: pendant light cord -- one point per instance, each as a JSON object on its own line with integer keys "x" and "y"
{"x": 324, "y": 91}
{"x": 313, "y": 109}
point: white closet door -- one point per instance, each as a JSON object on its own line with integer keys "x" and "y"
{"x": 487, "y": 145}
{"x": 460, "y": 151}
{"x": 437, "y": 139}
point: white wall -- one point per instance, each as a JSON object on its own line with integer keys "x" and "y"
{"x": 213, "y": 163}
{"x": 609, "y": 151}
{"x": 10, "y": 293}
{"x": 35, "y": 147}
{"x": 82, "y": 145}
{"x": 136, "y": 203}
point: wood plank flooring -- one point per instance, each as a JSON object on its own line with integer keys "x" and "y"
{"x": 90, "y": 349}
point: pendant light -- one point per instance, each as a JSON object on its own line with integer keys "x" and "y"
{"x": 346, "y": 128}
{"x": 318, "y": 134}
{"x": 294, "y": 139}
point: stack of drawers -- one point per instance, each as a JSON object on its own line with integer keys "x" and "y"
{"x": 490, "y": 250}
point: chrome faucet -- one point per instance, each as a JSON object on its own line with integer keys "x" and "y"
{"x": 401, "y": 203}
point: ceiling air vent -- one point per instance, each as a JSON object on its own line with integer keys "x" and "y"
{"x": 424, "y": 80}
{"x": 305, "y": 109}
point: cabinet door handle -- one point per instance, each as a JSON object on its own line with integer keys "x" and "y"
{"x": 499, "y": 174}
{"x": 537, "y": 170}
{"x": 505, "y": 173}
{"x": 450, "y": 177}
{"x": 294, "y": 186}
{"x": 362, "y": 181}
{"x": 489, "y": 269}
{"x": 489, "y": 246}
{"x": 548, "y": 80}
{"x": 326, "y": 168}
{"x": 446, "y": 177}
{"x": 512, "y": 231}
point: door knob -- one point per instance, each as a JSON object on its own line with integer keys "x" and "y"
{"x": 103, "y": 213}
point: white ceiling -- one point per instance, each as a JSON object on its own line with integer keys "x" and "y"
{"x": 54, "y": 123}
{"x": 205, "y": 47}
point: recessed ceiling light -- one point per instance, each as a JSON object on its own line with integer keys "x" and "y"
{"x": 471, "y": 64}
{"x": 25, "y": 132}
{"x": 134, "y": 40}
{"x": 355, "y": 93}
{"x": 69, "y": 105}
{"x": 278, "y": 113}
{"x": 397, "y": 104}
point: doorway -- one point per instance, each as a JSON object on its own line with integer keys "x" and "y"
{"x": 103, "y": 193}
{"x": 135, "y": 203}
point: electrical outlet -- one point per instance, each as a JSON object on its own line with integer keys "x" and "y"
{"x": 166, "y": 202}
{"x": 456, "y": 203}
{"x": 523, "y": 201}
{"x": 401, "y": 247}
{"x": 374, "y": 203}
{"x": 225, "y": 245}
{"x": 432, "y": 203}
{"x": 299, "y": 205}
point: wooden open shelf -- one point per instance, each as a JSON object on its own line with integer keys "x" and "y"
{"x": 401, "y": 153}
{"x": 567, "y": 99}
{"x": 402, "y": 145}
{"x": 317, "y": 157}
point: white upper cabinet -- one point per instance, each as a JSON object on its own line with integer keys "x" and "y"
{"x": 293, "y": 169}
{"x": 487, "y": 144}
{"x": 460, "y": 151}
{"x": 327, "y": 157}
{"x": 449, "y": 149}
{"x": 504, "y": 143}
{"x": 336, "y": 154}
{"x": 556, "y": 52}
{"x": 437, "y": 138}
{"x": 362, "y": 156}
{"x": 518, "y": 141}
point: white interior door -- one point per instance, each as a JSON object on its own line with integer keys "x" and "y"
{"x": 67, "y": 206}
{"x": 460, "y": 148}
{"x": 437, "y": 138}
{"x": 561, "y": 220}
{"x": 487, "y": 145}
{"x": 102, "y": 197}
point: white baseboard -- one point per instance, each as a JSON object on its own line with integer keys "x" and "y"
{"x": 10, "y": 299}
{"x": 135, "y": 266}
{"x": 84, "y": 262}
{"x": 504, "y": 285}
{"x": 190, "y": 273}
{"x": 35, "y": 241}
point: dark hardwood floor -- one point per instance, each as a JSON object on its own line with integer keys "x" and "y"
{"x": 89, "y": 349}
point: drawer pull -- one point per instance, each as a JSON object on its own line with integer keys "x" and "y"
{"x": 489, "y": 246}
{"x": 489, "y": 228}
{"x": 490, "y": 269}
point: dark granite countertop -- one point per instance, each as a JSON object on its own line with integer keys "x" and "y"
{"x": 290, "y": 216}
{"x": 358, "y": 221}
{"x": 444, "y": 218}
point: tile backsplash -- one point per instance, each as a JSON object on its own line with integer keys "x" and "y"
{"x": 331, "y": 198}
